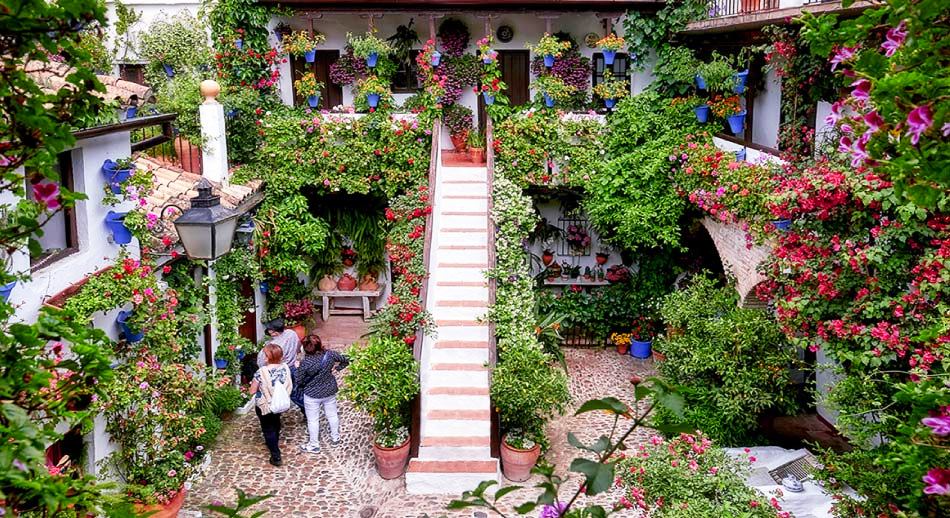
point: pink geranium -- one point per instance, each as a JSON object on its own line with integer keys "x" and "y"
{"x": 874, "y": 121}
{"x": 842, "y": 55}
{"x": 938, "y": 481}
{"x": 835, "y": 114}
{"x": 862, "y": 90}
{"x": 919, "y": 120}
{"x": 47, "y": 194}
{"x": 938, "y": 425}
{"x": 895, "y": 38}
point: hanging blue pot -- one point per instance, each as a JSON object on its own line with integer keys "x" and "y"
{"x": 489, "y": 98}
{"x": 120, "y": 233}
{"x": 131, "y": 111}
{"x": 610, "y": 103}
{"x": 122, "y": 320}
{"x": 609, "y": 56}
{"x": 740, "y": 155}
{"x": 310, "y": 56}
{"x": 641, "y": 349}
{"x": 240, "y": 355}
{"x": 263, "y": 286}
{"x": 239, "y": 43}
{"x": 372, "y": 59}
{"x": 221, "y": 364}
{"x": 115, "y": 176}
{"x": 737, "y": 123}
{"x": 549, "y": 60}
{"x": 548, "y": 101}
{"x": 313, "y": 100}
{"x": 740, "y": 81}
{"x": 700, "y": 82}
{"x": 169, "y": 71}
{"x": 232, "y": 113}
{"x": 436, "y": 58}
{"x": 702, "y": 113}
{"x": 782, "y": 225}
{"x": 373, "y": 100}
{"x": 6, "y": 290}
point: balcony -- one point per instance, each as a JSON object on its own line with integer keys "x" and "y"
{"x": 723, "y": 8}
{"x": 742, "y": 15}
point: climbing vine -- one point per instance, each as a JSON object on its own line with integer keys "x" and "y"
{"x": 655, "y": 32}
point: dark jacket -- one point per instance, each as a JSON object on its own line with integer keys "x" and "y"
{"x": 315, "y": 377}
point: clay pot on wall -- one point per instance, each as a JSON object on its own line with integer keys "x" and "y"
{"x": 547, "y": 257}
{"x": 516, "y": 464}
{"x": 346, "y": 283}
{"x": 327, "y": 283}
{"x": 391, "y": 462}
{"x": 477, "y": 154}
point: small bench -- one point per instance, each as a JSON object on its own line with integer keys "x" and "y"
{"x": 365, "y": 295}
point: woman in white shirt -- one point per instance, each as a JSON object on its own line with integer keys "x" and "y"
{"x": 266, "y": 379}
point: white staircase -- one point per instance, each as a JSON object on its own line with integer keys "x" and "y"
{"x": 455, "y": 444}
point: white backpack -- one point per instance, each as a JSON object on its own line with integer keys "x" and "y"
{"x": 279, "y": 399}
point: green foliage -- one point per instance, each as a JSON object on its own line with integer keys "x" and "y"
{"x": 382, "y": 380}
{"x": 675, "y": 71}
{"x": 236, "y": 266}
{"x": 457, "y": 118}
{"x": 719, "y": 73}
{"x": 180, "y": 41}
{"x": 244, "y": 502}
{"x": 225, "y": 16}
{"x": 554, "y": 87}
{"x": 125, "y": 18}
{"x": 181, "y": 95}
{"x": 93, "y": 42}
{"x": 366, "y": 44}
{"x": 733, "y": 361}
{"x": 654, "y": 31}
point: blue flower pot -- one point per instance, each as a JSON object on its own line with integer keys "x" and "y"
{"x": 436, "y": 58}
{"x": 169, "y": 71}
{"x": 702, "y": 113}
{"x": 700, "y": 82}
{"x": 115, "y": 177}
{"x": 737, "y": 123}
{"x": 221, "y": 364}
{"x": 6, "y": 290}
{"x": 610, "y": 103}
{"x": 641, "y": 349}
{"x": 548, "y": 101}
{"x": 373, "y": 100}
{"x": 313, "y": 100}
{"x": 310, "y": 55}
{"x": 239, "y": 43}
{"x": 489, "y": 98}
{"x": 549, "y": 60}
{"x": 232, "y": 113}
{"x": 240, "y": 355}
{"x": 740, "y": 155}
{"x": 609, "y": 56}
{"x": 782, "y": 225}
{"x": 263, "y": 286}
{"x": 120, "y": 233}
{"x": 372, "y": 59}
{"x": 740, "y": 81}
{"x": 122, "y": 320}
{"x": 131, "y": 111}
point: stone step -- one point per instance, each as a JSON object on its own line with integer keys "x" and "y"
{"x": 462, "y": 204}
{"x": 447, "y": 356}
{"x": 450, "y": 188}
{"x": 455, "y": 427}
{"x": 458, "y": 274}
{"x": 456, "y": 237}
{"x": 450, "y": 477}
{"x": 455, "y": 401}
{"x": 438, "y": 390}
{"x": 456, "y": 293}
{"x": 459, "y": 313}
{"x": 469, "y": 333}
{"x": 476, "y": 256}
{"x": 454, "y": 221}
{"x": 460, "y": 344}
{"x": 453, "y": 379}
{"x": 455, "y": 452}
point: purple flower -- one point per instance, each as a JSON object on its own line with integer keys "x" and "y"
{"x": 862, "y": 89}
{"x": 18, "y": 464}
{"x": 553, "y": 510}
{"x": 895, "y": 38}
{"x": 172, "y": 473}
{"x": 143, "y": 385}
{"x": 874, "y": 121}
{"x": 844, "y": 145}
{"x": 938, "y": 425}
{"x": 859, "y": 151}
{"x": 945, "y": 129}
{"x": 919, "y": 120}
{"x": 835, "y": 114}
{"x": 938, "y": 481}
{"x": 841, "y": 55}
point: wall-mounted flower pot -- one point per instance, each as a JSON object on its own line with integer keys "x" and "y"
{"x": 702, "y": 113}
{"x": 232, "y": 113}
{"x": 131, "y": 335}
{"x": 610, "y": 103}
{"x": 741, "y": 78}
{"x": 239, "y": 43}
{"x": 131, "y": 112}
{"x": 489, "y": 98}
{"x": 782, "y": 225}
{"x": 263, "y": 286}
{"x": 121, "y": 234}
{"x": 6, "y": 290}
{"x": 115, "y": 176}
{"x": 372, "y": 59}
{"x": 310, "y": 56}
{"x": 737, "y": 123}
{"x": 548, "y": 101}
{"x": 602, "y": 258}
{"x": 487, "y": 60}
{"x": 240, "y": 355}
{"x": 313, "y": 100}
{"x": 220, "y": 364}
{"x": 700, "y": 82}
{"x": 169, "y": 71}
{"x": 740, "y": 155}
{"x": 640, "y": 349}
{"x": 609, "y": 56}
{"x": 436, "y": 58}
{"x": 372, "y": 100}
{"x": 549, "y": 60}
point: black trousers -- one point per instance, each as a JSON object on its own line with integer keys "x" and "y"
{"x": 270, "y": 427}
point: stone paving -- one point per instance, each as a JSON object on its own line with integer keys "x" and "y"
{"x": 342, "y": 482}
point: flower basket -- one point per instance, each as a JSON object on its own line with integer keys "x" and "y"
{"x": 131, "y": 112}
{"x": 489, "y": 98}
{"x": 548, "y": 101}
{"x": 702, "y": 113}
{"x": 741, "y": 78}
{"x": 609, "y": 56}
{"x": 239, "y": 43}
{"x": 117, "y": 174}
{"x": 372, "y": 100}
{"x": 782, "y": 225}
{"x": 6, "y": 290}
{"x": 700, "y": 82}
{"x": 436, "y": 58}
{"x": 122, "y": 320}
{"x": 640, "y": 349}
{"x": 610, "y": 103}
{"x": 740, "y": 155}
{"x": 548, "y": 60}
{"x": 220, "y": 363}
{"x": 737, "y": 123}
{"x": 121, "y": 234}
{"x": 310, "y": 56}
{"x": 372, "y": 59}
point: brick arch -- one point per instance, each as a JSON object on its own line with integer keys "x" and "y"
{"x": 739, "y": 262}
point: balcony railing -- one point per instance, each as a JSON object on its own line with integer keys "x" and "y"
{"x": 721, "y": 8}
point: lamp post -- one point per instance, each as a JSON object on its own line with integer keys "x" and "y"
{"x": 206, "y": 230}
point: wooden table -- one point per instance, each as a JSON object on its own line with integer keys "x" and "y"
{"x": 365, "y": 295}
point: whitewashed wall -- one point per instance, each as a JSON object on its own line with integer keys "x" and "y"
{"x": 768, "y": 108}
{"x": 551, "y": 211}
{"x": 151, "y": 10}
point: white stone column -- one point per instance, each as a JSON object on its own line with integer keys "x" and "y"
{"x": 214, "y": 149}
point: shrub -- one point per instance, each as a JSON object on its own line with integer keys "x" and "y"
{"x": 180, "y": 41}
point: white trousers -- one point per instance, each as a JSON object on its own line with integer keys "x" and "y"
{"x": 312, "y": 408}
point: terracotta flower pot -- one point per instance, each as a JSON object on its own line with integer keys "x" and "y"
{"x": 477, "y": 154}
{"x": 169, "y": 510}
{"x": 460, "y": 141}
{"x": 622, "y": 348}
{"x": 327, "y": 283}
{"x": 301, "y": 330}
{"x": 547, "y": 259}
{"x": 391, "y": 462}
{"x": 189, "y": 155}
{"x": 347, "y": 262}
{"x": 602, "y": 259}
{"x": 368, "y": 283}
{"x": 346, "y": 283}
{"x": 516, "y": 464}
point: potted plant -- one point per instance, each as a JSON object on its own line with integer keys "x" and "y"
{"x": 718, "y": 75}
{"x": 382, "y": 380}
{"x": 309, "y": 87}
{"x": 348, "y": 256}
{"x": 122, "y": 320}
{"x": 6, "y": 290}
{"x": 602, "y": 257}
{"x": 553, "y": 89}
{"x": 550, "y": 47}
{"x": 553, "y": 271}
{"x": 621, "y": 341}
{"x": 458, "y": 119}
{"x": 121, "y": 234}
{"x": 547, "y": 257}
{"x": 740, "y": 79}
{"x": 368, "y": 47}
{"x": 304, "y": 43}
{"x": 617, "y": 274}
{"x": 296, "y": 312}
{"x": 578, "y": 239}
{"x": 611, "y": 90}
{"x": 566, "y": 270}
{"x": 485, "y": 52}
{"x": 729, "y": 108}
{"x": 476, "y": 147}
{"x": 281, "y": 31}
{"x": 221, "y": 363}
{"x": 117, "y": 172}
{"x": 609, "y": 45}
{"x": 700, "y": 108}
{"x": 374, "y": 89}
{"x": 641, "y": 336}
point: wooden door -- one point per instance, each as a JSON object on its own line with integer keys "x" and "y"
{"x": 248, "y": 328}
{"x": 515, "y": 72}
{"x": 331, "y": 95}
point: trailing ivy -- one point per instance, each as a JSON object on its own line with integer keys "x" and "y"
{"x": 646, "y": 32}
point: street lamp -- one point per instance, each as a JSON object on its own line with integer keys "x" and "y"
{"x": 206, "y": 230}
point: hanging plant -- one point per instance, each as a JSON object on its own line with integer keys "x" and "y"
{"x": 454, "y": 37}
{"x": 300, "y": 43}
{"x": 368, "y": 47}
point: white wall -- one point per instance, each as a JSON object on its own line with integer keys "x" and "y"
{"x": 768, "y": 112}
{"x": 151, "y": 11}
{"x": 551, "y": 211}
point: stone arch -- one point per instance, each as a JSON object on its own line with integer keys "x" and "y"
{"x": 739, "y": 262}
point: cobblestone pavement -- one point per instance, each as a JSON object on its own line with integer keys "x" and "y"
{"x": 341, "y": 481}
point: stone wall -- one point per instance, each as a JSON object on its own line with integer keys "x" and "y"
{"x": 739, "y": 261}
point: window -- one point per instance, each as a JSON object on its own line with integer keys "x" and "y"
{"x": 132, "y": 72}
{"x": 59, "y": 237}
{"x": 406, "y": 78}
{"x": 620, "y": 69}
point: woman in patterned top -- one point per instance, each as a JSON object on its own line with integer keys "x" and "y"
{"x": 265, "y": 379}
{"x": 316, "y": 381}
